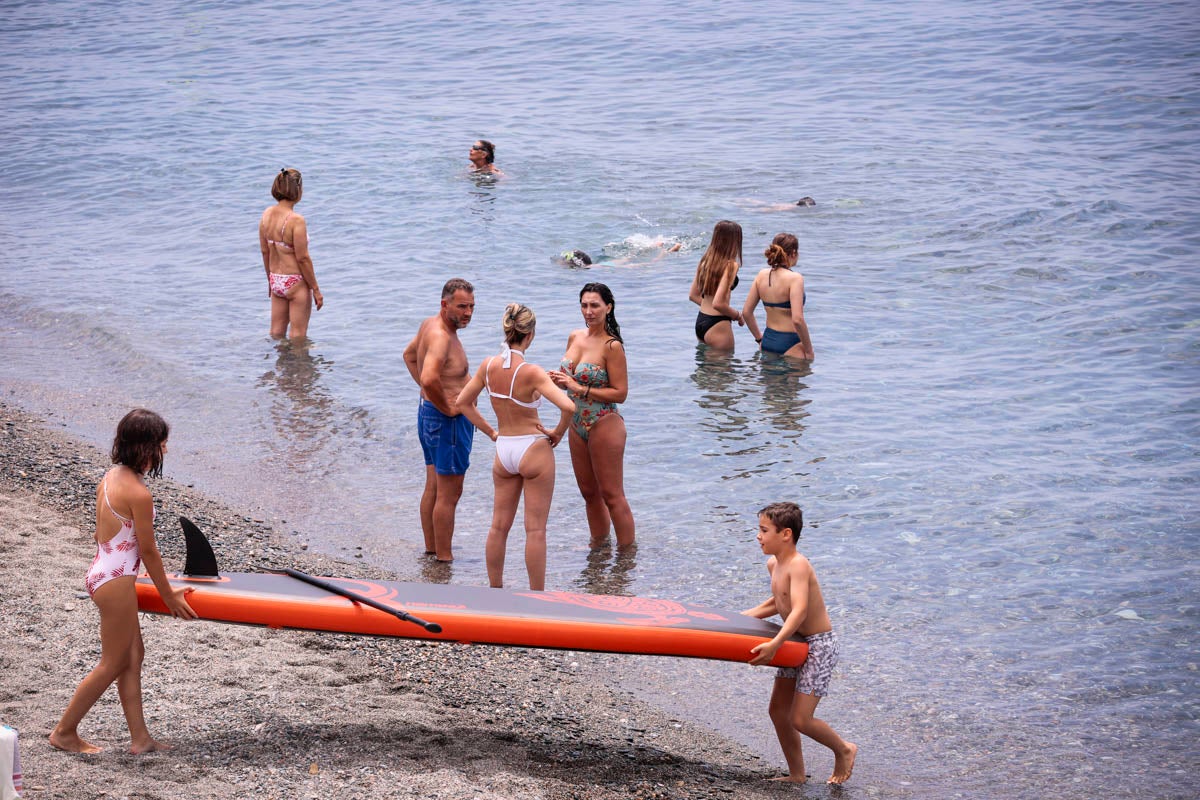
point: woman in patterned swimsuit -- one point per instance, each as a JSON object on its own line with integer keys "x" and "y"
{"x": 283, "y": 240}
{"x": 593, "y": 371}
{"x": 124, "y": 543}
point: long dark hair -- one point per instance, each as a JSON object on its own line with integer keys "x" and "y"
{"x": 606, "y": 296}
{"x": 724, "y": 250}
{"x": 139, "y": 440}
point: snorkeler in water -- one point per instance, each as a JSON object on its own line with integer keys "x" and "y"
{"x": 637, "y": 248}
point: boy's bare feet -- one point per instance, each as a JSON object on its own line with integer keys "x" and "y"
{"x": 843, "y": 764}
{"x": 148, "y": 746}
{"x": 72, "y": 743}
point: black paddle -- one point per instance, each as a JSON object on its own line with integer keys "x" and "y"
{"x": 432, "y": 627}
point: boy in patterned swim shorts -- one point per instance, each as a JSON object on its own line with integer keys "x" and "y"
{"x": 796, "y": 597}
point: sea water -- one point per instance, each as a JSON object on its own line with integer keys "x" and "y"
{"x": 995, "y": 447}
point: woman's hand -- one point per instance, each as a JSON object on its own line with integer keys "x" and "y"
{"x": 561, "y": 379}
{"x": 555, "y": 436}
{"x": 318, "y": 298}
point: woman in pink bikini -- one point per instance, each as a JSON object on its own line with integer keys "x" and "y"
{"x": 283, "y": 240}
{"x": 524, "y": 460}
{"x": 124, "y": 544}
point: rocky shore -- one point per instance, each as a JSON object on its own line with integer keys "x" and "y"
{"x": 255, "y": 713}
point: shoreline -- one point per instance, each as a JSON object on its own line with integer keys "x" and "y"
{"x": 259, "y": 712}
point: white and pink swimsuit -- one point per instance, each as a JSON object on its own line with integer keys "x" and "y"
{"x": 117, "y": 557}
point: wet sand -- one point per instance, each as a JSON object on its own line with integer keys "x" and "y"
{"x": 284, "y": 714}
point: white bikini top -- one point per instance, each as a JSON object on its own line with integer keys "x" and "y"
{"x": 508, "y": 360}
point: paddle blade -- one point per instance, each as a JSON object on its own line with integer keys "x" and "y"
{"x": 200, "y": 561}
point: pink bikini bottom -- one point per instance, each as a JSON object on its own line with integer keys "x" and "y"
{"x": 281, "y": 284}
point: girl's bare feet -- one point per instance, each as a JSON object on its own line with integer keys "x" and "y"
{"x": 843, "y": 764}
{"x": 72, "y": 743}
{"x": 148, "y": 746}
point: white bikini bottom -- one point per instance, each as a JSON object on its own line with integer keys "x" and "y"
{"x": 511, "y": 449}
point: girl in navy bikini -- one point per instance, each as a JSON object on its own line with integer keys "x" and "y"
{"x": 124, "y": 544}
{"x": 782, "y": 293}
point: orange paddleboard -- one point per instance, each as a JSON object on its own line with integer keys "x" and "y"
{"x": 477, "y": 615}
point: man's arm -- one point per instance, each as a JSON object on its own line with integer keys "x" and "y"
{"x": 437, "y": 348}
{"x": 410, "y": 358}
{"x": 467, "y": 399}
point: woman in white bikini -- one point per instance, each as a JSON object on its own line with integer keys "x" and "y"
{"x": 524, "y": 459}
{"x": 124, "y": 545}
{"x": 283, "y": 240}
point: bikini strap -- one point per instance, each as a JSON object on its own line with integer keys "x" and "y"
{"x": 508, "y": 353}
{"x": 487, "y": 384}
{"x": 107, "y": 502}
{"x": 283, "y": 226}
{"x": 513, "y": 384}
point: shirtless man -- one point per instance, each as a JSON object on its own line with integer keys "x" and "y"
{"x": 437, "y": 362}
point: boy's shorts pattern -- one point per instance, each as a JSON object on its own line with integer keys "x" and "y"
{"x": 813, "y": 676}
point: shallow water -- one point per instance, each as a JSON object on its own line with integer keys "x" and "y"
{"x": 994, "y": 447}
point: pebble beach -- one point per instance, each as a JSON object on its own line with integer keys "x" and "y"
{"x": 254, "y": 712}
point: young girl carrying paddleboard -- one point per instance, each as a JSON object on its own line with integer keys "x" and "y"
{"x": 124, "y": 545}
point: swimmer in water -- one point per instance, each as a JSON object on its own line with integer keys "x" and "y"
{"x": 803, "y": 202}
{"x": 579, "y": 259}
{"x": 483, "y": 158}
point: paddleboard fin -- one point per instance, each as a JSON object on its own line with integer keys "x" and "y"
{"x": 200, "y": 561}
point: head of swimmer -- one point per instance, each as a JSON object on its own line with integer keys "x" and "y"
{"x": 806, "y": 201}
{"x": 519, "y": 324}
{"x": 458, "y": 303}
{"x": 482, "y": 152}
{"x": 141, "y": 442}
{"x": 573, "y": 258}
{"x": 288, "y": 185}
